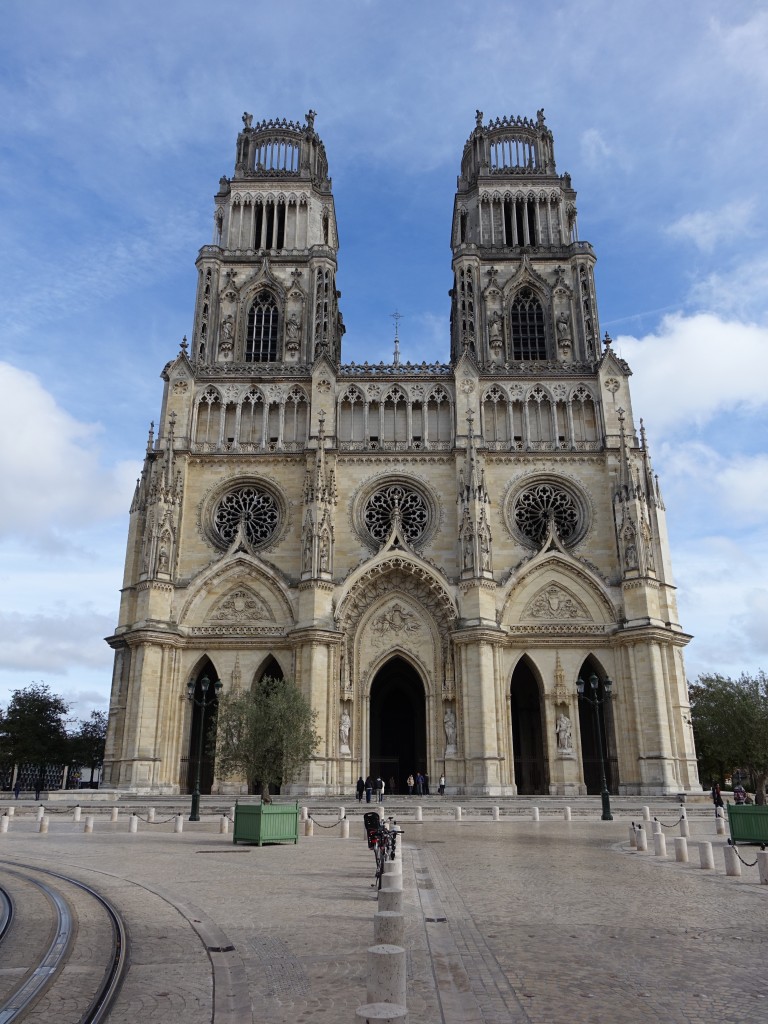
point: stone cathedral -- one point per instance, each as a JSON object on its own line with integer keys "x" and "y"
{"x": 433, "y": 553}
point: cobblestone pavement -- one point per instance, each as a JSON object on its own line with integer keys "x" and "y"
{"x": 506, "y": 922}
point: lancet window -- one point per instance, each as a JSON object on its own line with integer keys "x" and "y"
{"x": 540, "y": 420}
{"x": 252, "y": 421}
{"x": 262, "y": 329}
{"x": 397, "y": 420}
{"x": 526, "y": 318}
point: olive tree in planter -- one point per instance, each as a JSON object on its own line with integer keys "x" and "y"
{"x": 266, "y": 734}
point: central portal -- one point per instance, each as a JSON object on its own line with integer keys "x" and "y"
{"x": 398, "y": 724}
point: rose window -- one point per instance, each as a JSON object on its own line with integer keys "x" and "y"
{"x": 534, "y": 507}
{"x": 381, "y": 507}
{"x": 256, "y": 509}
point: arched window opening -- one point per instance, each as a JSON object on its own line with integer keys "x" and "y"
{"x": 539, "y": 416}
{"x": 261, "y": 338}
{"x": 252, "y": 418}
{"x": 395, "y": 425}
{"x": 295, "y": 420}
{"x": 208, "y": 417}
{"x": 529, "y": 338}
{"x": 495, "y": 418}
{"x": 351, "y": 416}
{"x": 438, "y": 416}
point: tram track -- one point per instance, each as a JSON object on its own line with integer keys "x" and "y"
{"x": 63, "y": 950}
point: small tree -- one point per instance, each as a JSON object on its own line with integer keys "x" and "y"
{"x": 33, "y": 729}
{"x": 730, "y": 723}
{"x": 88, "y": 741}
{"x": 266, "y": 735}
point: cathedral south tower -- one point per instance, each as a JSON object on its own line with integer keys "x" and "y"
{"x": 433, "y": 553}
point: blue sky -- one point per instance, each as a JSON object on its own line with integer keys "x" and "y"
{"x": 119, "y": 120}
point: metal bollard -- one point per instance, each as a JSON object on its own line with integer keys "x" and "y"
{"x": 386, "y": 974}
{"x": 535, "y": 813}
{"x": 706, "y": 859}
{"x": 646, "y": 814}
{"x": 457, "y": 813}
{"x": 732, "y": 862}
{"x": 388, "y": 928}
{"x": 76, "y": 813}
{"x": 114, "y": 814}
{"x": 642, "y": 839}
{"x": 762, "y": 866}
{"x": 418, "y": 814}
{"x": 681, "y": 849}
{"x": 566, "y": 813}
{"x": 150, "y": 814}
{"x": 345, "y": 829}
{"x": 632, "y": 836}
{"x": 494, "y": 813}
{"x": 382, "y": 1013}
{"x": 133, "y": 823}
{"x": 43, "y": 826}
{"x": 223, "y": 825}
{"x": 659, "y": 845}
{"x": 309, "y": 827}
{"x": 178, "y": 826}
{"x": 4, "y": 823}
{"x": 88, "y": 827}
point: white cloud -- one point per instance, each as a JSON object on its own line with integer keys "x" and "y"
{"x": 707, "y": 229}
{"x": 52, "y": 475}
{"x": 738, "y": 291}
{"x": 694, "y": 367}
{"x": 60, "y": 642}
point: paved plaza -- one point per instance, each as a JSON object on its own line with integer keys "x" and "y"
{"x": 506, "y": 921}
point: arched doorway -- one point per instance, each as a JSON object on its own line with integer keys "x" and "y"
{"x": 397, "y": 723}
{"x": 590, "y": 751}
{"x": 531, "y": 766}
{"x": 204, "y": 711}
{"x": 270, "y": 670}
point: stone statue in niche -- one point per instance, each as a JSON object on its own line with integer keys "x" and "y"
{"x": 467, "y": 549}
{"x": 227, "y": 337}
{"x": 292, "y": 335}
{"x": 307, "y": 557}
{"x": 162, "y": 559}
{"x": 485, "y": 553}
{"x": 345, "y": 725}
{"x": 564, "y": 330}
{"x": 564, "y": 732}
{"x": 449, "y": 724}
{"x": 494, "y": 334}
{"x": 324, "y": 554}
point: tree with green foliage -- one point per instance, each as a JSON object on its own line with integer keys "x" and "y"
{"x": 33, "y": 728}
{"x": 87, "y": 742}
{"x": 266, "y": 735}
{"x": 730, "y": 724}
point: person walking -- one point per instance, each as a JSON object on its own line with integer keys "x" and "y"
{"x": 391, "y": 784}
{"x": 441, "y": 786}
{"x": 379, "y": 789}
{"x": 368, "y": 789}
{"x": 410, "y": 783}
{"x": 17, "y": 788}
{"x": 360, "y": 789}
{"x": 717, "y": 799}
{"x": 419, "y": 784}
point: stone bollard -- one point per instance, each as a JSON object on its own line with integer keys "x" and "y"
{"x": 762, "y": 866}
{"x": 150, "y": 814}
{"x": 178, "y": 825}
{"x": 535, "y": 813}
{"x": 684, "y": 827}
{"x": 566, "y": 813}
{"x": 88, "y": 827}
{"x": 133, "y": 823}
{"x": 76, "y": 813}
{"x": 345, "y": 829}
{"x": 390, "y": 897}
{"x": 642, "y": 839}
{"x": 632, "y": 836}
{"x": 457, "y": 813}
{"x": 40, "y": 812}
{"x": 656, "y": 827}
{"x": 43, "y": 824}
{"x": 382, "y": 1013}
{"x": 495, "y": 814}
{"x": 418, "y": 814}
{"x": 386, "y": 974}
{"x": 4, "y": 823}
{"x": 720, "y": 825}
{"x": 115, "y": 812}
{"x": 732, "y": 862}
{"x": 681, "y": 849}
{"x": 646, "y": 814}
{"x": 342, "y": 812}
{"x": 309, "y": 827}
{"x": 304, "y": 813}
{"x": 232, "y": 812}
{"x": 11, "y": 811}
{"x": 388, "y": 928}
{"x": 223, "y": 825}
{"x": 706, "y": 859}
{"x": 659, "y": 845}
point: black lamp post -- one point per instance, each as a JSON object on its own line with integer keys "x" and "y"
{"x": 203, "y": 704}
{"x": 596, "y": 701}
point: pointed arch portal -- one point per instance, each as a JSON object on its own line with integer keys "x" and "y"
{"x": 202, "y": 718}
{"x": 531, "y": 768}
{"x": 590, "y": 751}
{"x": 397, "y": 723}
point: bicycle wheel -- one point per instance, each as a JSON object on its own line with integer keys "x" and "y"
{"x": 380, "y": 858}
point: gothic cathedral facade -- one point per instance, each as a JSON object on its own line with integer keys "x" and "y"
{"x": 434, "y": 553}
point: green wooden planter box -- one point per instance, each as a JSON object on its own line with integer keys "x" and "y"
{"x": 266, "y": 823}
{"x": 748, "y": 823}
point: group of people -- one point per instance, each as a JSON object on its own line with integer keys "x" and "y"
{"x": 420, "y": 783}
{"x": 740, "y": 796}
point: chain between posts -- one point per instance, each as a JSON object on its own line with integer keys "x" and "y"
{"x": 162, "y": 821}
{"x": 747, "y": 864}
{"x": 316, "y": 822}
{"x": 674, "y": 823}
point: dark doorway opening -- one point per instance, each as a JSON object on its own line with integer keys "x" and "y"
{"x": 398, "y": 724}
{"x": 269, "y": 670}
{"x": 590, "y": 751}
{"x": 203, "y": 719}
{"x": 531, "y": 766}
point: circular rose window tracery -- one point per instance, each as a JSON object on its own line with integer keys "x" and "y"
{"x": 533, "y": 507}
{"x": 379, "y": 511}
{"x": 255, "y": 508}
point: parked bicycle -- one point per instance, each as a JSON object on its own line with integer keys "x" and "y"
{"x": 382, "y": 839}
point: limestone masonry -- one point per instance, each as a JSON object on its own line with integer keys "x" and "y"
{"x": 433, "y": 553}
